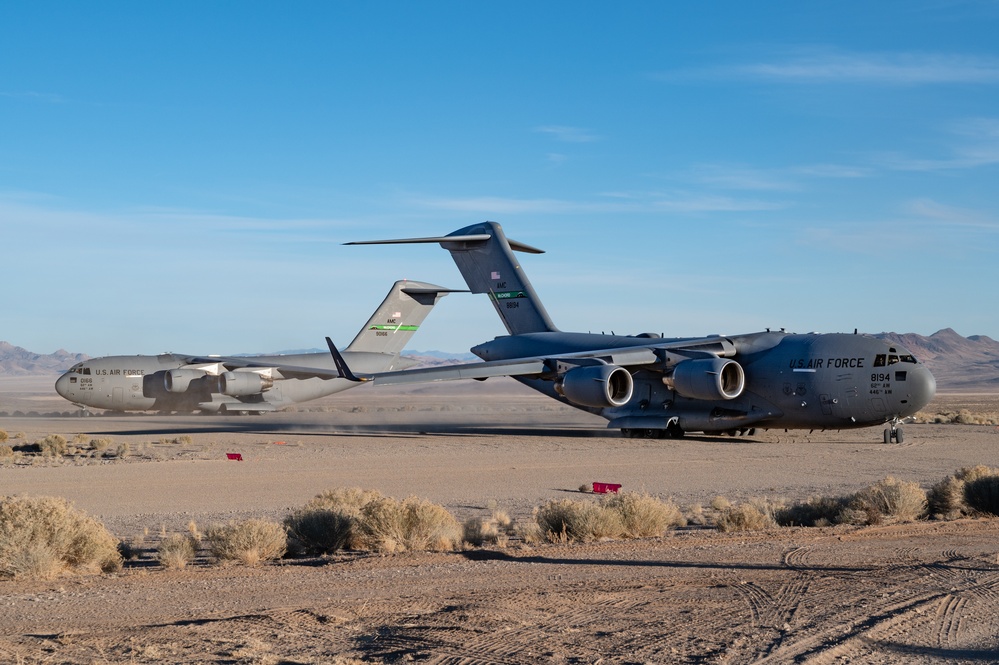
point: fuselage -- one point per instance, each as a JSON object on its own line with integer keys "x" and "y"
{"x": 139, "y": 383}
{"x": 812, "y": 381}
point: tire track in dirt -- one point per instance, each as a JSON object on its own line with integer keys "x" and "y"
{"x": 957, "y": 617}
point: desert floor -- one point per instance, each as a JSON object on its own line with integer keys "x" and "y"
{"x": 906, "y": 593}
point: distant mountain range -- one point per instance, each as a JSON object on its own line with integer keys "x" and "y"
{"x": 958, "y": 363}
{"x": 15, "y": 361}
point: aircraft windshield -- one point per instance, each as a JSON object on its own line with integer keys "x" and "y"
{"x": 884, "y": 359}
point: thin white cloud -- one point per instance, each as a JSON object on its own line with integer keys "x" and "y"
{"x": 740, "y": 177}
{"x": 617, "y": 202}
{"x": 32, "y": 96}
{"x": 568, "y": 134}
{"x": 952, "y": 215}
{"x": 855, "y": 68}
{"x": 976, "y": 145}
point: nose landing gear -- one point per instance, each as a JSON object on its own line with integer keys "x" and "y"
{"x": 893, "y": 432}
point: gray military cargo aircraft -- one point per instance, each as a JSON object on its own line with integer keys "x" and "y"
{"x": 253, "y": 384}
{"x": 649, "y": 386}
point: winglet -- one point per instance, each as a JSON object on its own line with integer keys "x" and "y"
{"x": 341, "y": 364}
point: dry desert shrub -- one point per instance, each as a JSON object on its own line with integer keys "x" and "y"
{"x": 960, "y": 417}
{"x": 816, "y": 511}
{"x": 414, "y": 524}
{"x": 493, "y": 530}
{"x": 3, "y": 435}
{"x": 329, "y": 522}
{"x": 101, "y": 444}
{"x": 745, "y": 517}
{"x": 80, "y": 438}
{"x": 41, "y": 537}
{"x": 947, "y": 499}
{"x": 982, "y": 494}
{"x": 6, "y": 451}
{"x": 176, "y": 551}
{"x": 248, "y": 542}
{"x": 624, "y": 515}
{"x": 565, "y": 521}
{"x": 896, "y": 500}
{"x": 643, "y": 515}
{"x": 479, "y": 531}
{"x": 54, "y": 445}
{"x": 720, "y": 503}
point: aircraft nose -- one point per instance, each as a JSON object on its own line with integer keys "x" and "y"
{"x": 922, "y": 388}
{"x": 62, "y": 385}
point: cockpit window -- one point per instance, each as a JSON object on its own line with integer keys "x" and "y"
{"x": 883, "y": 359}
{"x": 80, "y": 369}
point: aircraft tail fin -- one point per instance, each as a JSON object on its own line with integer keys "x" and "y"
{"x": 398, "y": 317}
{"x": 485, "y": 258}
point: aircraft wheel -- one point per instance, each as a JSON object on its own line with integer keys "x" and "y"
{"x": 898, "y": 435}
{"x": 887, "y": 435}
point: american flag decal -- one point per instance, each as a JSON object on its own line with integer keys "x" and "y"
{"x": 495, "y": 275}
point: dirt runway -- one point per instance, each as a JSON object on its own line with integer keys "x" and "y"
{"x": 922, "y": 592}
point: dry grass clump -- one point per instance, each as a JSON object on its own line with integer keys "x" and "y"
{"x": 352, "y": 518}
{"x": 745, "y": 517}
{"x": 960, "y": 417}
{"x": 886, "y": 500}
{"x": 6, "y": 451}
{"x": 643, "y": 515}
{"x": 948, "y": 500}
{"x": 493, "y": 530}
{"x": 565, "y": 521}
{"x": 816, "y": 511}
{"x": 176, "y": 551}
{"x": 624, "y": 515}
{"x": 982, "y": 494}
{"x": 3, "y": 435}
{"x": 414, "y": 524}
{"x": 329, "y": 522}
{"x": 101, "y": 444}
{"x": 42, "y": 537}
{"x": 54, "y": 445}
{"x": 248, "y": 542}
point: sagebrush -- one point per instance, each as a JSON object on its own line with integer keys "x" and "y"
{"x": 248, "y": 542}
{"x": 42, "y": 537}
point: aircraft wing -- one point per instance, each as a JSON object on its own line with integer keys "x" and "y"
{"x": 541, "y": 365}
{"x": 527, "y": 366}
{"x": 219, "y": 364}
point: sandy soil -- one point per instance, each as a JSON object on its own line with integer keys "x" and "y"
{"x": 925, "y": 592}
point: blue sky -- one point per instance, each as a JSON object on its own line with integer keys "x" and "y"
{"x": 181, "y": 176}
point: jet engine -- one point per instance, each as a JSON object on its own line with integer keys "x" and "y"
{"x": 178, "y": 380}
{"x": 241, "y": 384}
{"x": 597, "y": 386}
{"x": 707, "y": 378}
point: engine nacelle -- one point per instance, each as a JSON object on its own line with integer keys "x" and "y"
{"x": 597, "y": 386}
{"x": 241, "y": 384}
{"x": 707, "y": 378}
{"x": 179, "y": 380}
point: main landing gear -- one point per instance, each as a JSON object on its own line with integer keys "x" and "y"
{"x": 672, "y": 431}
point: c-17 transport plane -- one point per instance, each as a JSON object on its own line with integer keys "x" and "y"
{"x": 649, "y": 386}
{"x": 252, "y": 384}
